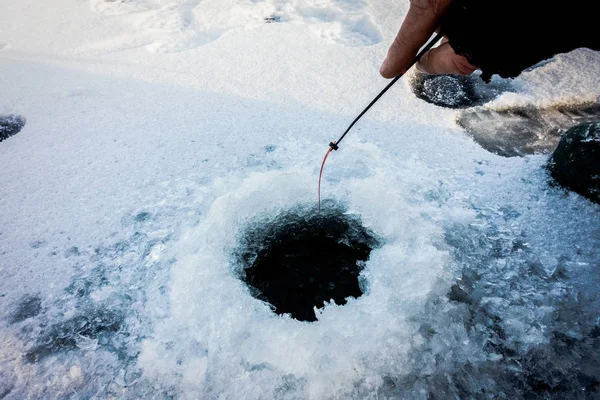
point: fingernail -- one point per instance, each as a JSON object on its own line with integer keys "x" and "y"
{"x": 384, "y": 66}
{"x": 421, "y": 63}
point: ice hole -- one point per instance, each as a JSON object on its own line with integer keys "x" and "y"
{"x": 301, "y": 259}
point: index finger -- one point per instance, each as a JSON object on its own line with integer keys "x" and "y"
{"x": 421, "y": 21}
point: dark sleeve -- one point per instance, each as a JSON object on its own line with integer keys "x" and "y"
{"x": 505, "y": 37}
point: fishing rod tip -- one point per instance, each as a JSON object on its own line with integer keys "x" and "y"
{"x": 333, "y": 146}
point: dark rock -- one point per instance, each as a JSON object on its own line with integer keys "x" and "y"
{"x": 302, "y": 259}
{"x": 10, "y": 125}
{"x": 455, "y": 91}
{"x": 575, "y": 164}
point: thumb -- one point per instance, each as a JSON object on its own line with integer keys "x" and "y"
{"x": 443, "y": 60}
{"x": 421, "y": 21}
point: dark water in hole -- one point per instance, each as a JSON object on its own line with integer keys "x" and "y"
{"x": 301, "y": 259}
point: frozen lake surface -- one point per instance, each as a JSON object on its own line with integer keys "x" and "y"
{"x": 158, "y": 134}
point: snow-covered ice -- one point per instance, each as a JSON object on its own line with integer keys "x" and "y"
{"x": 158, "y": 131}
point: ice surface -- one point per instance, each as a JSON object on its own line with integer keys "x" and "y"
{"x": 156, "y": 131}
{"x": 524, "y": 130}
{"x": 182, "y": 24}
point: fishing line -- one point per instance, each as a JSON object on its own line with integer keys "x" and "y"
{"x": 335, "y": 145}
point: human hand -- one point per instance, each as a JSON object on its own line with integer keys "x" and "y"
{"x": 423, "y": 18}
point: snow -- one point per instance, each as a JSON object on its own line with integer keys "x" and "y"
{"x": 158, "y": 131}
{"x": 548, "y": 85}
